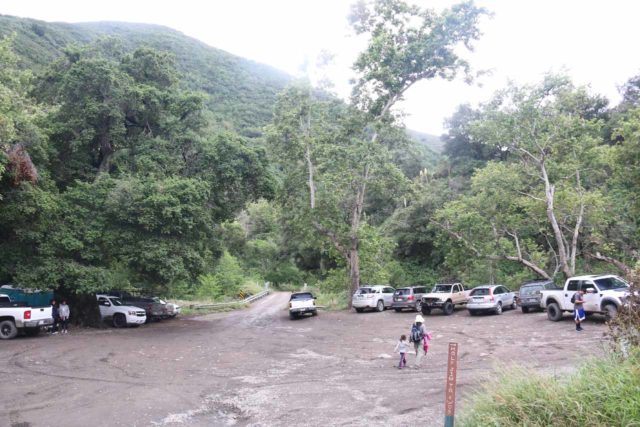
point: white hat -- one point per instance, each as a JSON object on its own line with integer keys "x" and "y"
{"x": 419, "y": 319}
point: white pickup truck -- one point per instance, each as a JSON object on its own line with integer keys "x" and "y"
{"x": 446, "y": 297}
{"x": 16, "y": 317}
{"x": 302, "y": 303}
{"x": 111, "y": 308}
{"x": 603, "y": 294}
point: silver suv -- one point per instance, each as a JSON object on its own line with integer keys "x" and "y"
{"x": 377, "y": 297}
{"x": 409, "y": 297}
{"x": 493, "y": 298}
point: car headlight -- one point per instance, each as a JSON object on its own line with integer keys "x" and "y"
{"x": 132, "y": 313}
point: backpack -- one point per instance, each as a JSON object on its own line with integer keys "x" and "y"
{"x": 573, "y": 298}
{"x": 416, "y": 333}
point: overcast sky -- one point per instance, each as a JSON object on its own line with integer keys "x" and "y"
{"x": 594, "y": 41}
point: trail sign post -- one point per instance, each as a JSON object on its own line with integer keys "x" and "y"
{"x": 450, "y": 391}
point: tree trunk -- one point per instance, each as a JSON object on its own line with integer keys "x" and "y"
{"x": 354, "y": 272}
{"x": 83, "y": 307}
{"x": 549, "y": 191}
{"x": 619, "y": 264}
{"x": 106, "y": 150}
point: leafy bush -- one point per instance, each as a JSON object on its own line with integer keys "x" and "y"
{"x": 601, "y": 393}
{"x": 624, "y": 330}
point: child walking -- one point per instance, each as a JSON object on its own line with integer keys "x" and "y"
{"x": 402, "y": 348}
{"x": 426, "y": 340}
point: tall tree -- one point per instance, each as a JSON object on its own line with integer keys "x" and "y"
{"x": 539, "y": 207}
{"x": 406, "y": 44}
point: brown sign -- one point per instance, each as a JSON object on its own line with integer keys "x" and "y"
{"x": 450, "y": 392}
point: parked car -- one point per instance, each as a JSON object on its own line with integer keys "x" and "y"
{"x": 302, "y": 303}
{"x": 493, "y": 298}
{"x": 18, "y": 317}
{"x": 377, "y": 297}
{"x": 445, "y": 296}
{"x": 529, "y": 295}
{"x": 171, "y": 309}
{"x": 604, "y": 294}
{"x": 155, "y": 308}
{"x": 409, "y": 297}
{"x": 121, "y": 315}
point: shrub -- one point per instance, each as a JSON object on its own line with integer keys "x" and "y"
{"x": 601, "y": 393}
{"x": 624, "y": 330}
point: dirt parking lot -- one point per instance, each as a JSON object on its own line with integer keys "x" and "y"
{"x": 256, "y": 367}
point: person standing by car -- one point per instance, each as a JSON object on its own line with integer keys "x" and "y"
{"x": 64, "y": 312}
{"x": 578, "y": 309}
{"x": 402, "y": 348}
{"x": 56, "y": 317}
{"x": 418, "y": 332}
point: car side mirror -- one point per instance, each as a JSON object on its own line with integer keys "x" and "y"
{"x": 106, "y": 303}
{"x": 591, "y": 291}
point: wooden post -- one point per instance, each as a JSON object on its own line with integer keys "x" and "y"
{"x": 450, "y": 391}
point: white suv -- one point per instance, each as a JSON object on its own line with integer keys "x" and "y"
{"x": 111, "y": 308}
{"x": 377, "y": 297}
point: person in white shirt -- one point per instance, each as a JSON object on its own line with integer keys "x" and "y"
{"x": 64, "y": 312}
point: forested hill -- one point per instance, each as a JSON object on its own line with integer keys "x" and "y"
{"x": 241, "y": 92}
{"x": 432, "y": 142}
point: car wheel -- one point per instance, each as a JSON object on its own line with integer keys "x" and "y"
{"x": 418, "y": 306}
{"x": 553, "y": 312}
{"x": 610, "y": 312}
{"x": 525, "y": 309}
{"x": 8, "y": 330}
{"x": 314, "y": 313}
{"x": 293, "y": 316}
{"x": 380, "y": 306}
{"x": 425, "y": 310}
{"x": 472, "y": 312}
{"x": 119, "y": 320}
{"x": 447, "y": 309}
{"x": 498, "y": 309}
{"x": 359, "y": 309}
{"x": 397, "y": 310}
{"x": 514, "y": 305}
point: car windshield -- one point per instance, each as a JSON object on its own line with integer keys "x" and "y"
{"x": 158, "y": 300}
{"x": 363, "y": 291}
{"x": 530, "y": 290}
{"x": 301, "y": 297}
{"x": 115, "y": 301}
{"x": 441, "y": 289}
{"x": 607, "y": 283}
{"x": 403, "y": 292}
{"x": 480, "y": 292}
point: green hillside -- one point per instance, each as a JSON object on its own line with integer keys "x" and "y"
{"x": 241, "y": 92}
{"x": 432, "y": 142}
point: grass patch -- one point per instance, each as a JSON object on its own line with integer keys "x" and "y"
{"x": 332, "y": 300}
{"x": 603, "y": 392}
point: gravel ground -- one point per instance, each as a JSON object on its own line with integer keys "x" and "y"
{"x": 255, "y": 367}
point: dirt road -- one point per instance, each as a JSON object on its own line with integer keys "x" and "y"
{"x": 256, "y": 367}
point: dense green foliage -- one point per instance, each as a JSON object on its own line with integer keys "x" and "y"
{"x": 134, "y": 157}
